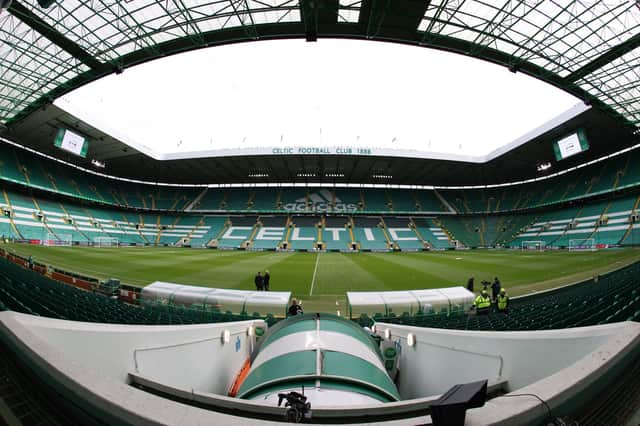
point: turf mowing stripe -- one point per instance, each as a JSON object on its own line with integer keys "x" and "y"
{"x": 313, "y": 279}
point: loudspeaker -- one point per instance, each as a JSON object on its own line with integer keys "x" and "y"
{"x": 451, "y": 408}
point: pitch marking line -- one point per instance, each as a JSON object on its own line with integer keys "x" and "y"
{"x": 313, "y": 280}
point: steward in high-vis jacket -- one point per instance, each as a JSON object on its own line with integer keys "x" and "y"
{"x": 483, "y": 303}
{"x": 502, "y": 302}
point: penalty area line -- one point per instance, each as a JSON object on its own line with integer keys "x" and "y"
{"x": 313, "y": 279}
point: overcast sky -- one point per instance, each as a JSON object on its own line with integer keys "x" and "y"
{"x": 329, "y": 93}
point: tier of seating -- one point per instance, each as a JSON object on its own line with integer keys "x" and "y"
{"x": 613, "y": 174}
{"x": 23, "y": 167}
{"x": 334, "y": 200}
{"x": 605, "y": 223}
{"x": 485, "y": 231}
{"x": 46, "y": 220}
{"x": 26, "y": 168}
{"x": 608, "y": 222}
{"x": 27, "y": 291}
{"x": 608, "y": 298}
{"x": 613, "y": 297}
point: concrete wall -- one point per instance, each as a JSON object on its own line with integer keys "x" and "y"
{"x": 88, "y": 363}
{"x": 559, "y": 367}
{"x": 185, "y": 356}
{"x": 443, "y": 358}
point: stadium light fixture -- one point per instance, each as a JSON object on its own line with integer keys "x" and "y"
{"x": 334, "y": 175}
{"x": 5, "y": 4}
{"x": 382, "y": 176}
{"x": 45, "y": 4}
{"x": 258, "y": 175}
{"x": 98, "y": 163}
{"x": 306, "y": 175}
{"x": 543, "y": 166}
{"x": 411, "y": 339}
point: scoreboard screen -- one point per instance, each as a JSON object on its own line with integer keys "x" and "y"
{"x": 572, "y": 144}
{"x": 72, "y": 142}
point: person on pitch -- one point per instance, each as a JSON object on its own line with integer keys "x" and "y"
{"x": 259, "y": 281}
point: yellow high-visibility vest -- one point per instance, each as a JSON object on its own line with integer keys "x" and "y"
{"x": 482, "y": 302}
{"x": 502, "y": 301}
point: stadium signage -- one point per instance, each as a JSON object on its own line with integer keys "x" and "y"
{"x": 320, "y": 201}
{"x": 278, "y": 233}
{"x": 329, "y": 150}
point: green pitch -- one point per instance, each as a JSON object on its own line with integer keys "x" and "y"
{"x": 321, "y": 280}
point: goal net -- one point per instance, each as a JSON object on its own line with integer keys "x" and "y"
{"x": 583, "y": 244}
{"x": 52, "y": 239}
{"x": 533, "y": 245}
{"x": 105, "y": 242}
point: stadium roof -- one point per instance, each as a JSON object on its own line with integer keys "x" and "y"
{"x": 589, "y": 48}
{"x": 515, "y": 163}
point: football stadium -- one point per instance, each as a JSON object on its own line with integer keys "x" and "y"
{"x": 342, "y": 245}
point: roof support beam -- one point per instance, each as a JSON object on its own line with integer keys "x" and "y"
{"x": 309, "y": 15}
{"x": 317, "y": 14}
{"x": 602, "y": 60}
{"x": 382, "y": 17}
{"x": 51, "y": 34}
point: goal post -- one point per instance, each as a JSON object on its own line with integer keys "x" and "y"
{"x": 57, "y": 239}
{"x": 537, "y": 245}
{"x": 105, "y": 242}
{"x": 583, "y": 244}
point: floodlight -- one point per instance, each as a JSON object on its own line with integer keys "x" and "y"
{"x": 45, "y": 4}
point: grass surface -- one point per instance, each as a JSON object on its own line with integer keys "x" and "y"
{"x": 321, "y": 280}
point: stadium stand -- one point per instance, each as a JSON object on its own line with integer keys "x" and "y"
{"x": 264, "y": 200}
{"x": 401, "y": 231}
{"x": 608, "y": 298}
{"x": 428, "y": 201}
{"x": 599, "y": 178}
{"x": 236, "y": 200}
{"x": 29, "y": 292}
{"x": 402, "y": 200}
{"x": 270, "y": 233}
{"x": 368, "y": 234}
{"x": 240, "y": 231}
{"x": 336, "y": 234}
{"x": 293, "y": 199}
{"x": 304, "y": 233}
{"x": 40, "y": 217}
{"x": 207, "y": 230}
{"x": 485, "y": 231}
{"x": 43, "y": 219}
{"x": 28, "y": 169}
{"x": 211, "y": 199}
{"x": 606, "y": 222}
{"x": 431, "y": 233}
{"x": 273, "y": 221}
{"x": 376, "y": 200}
{"x": 613, "y": 297}
{"x": 351, "y": 198}
{"x": 23, "y": 167}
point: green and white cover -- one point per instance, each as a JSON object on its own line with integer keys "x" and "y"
{"x": 335, "y": 360}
